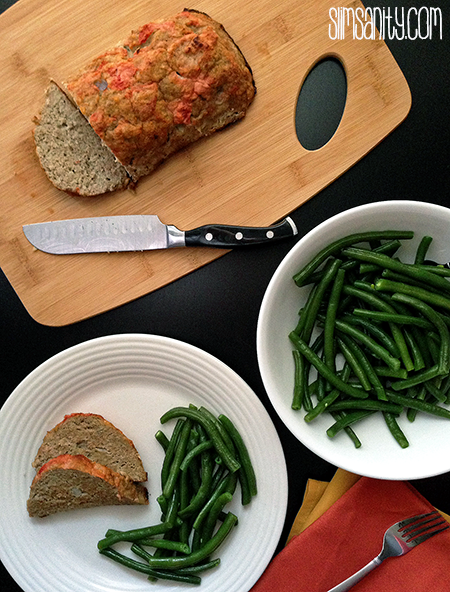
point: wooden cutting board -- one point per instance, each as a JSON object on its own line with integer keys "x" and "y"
{"x": 253, "y": 173}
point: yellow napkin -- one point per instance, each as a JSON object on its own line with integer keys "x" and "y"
{"x": 320, "y": 496}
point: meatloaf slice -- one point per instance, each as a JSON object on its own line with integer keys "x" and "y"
{"x": 170, "y": 83}
{"x": 71, "y": 153}
{"x": 94, "y": 437}
{"x": 68, "y": 482}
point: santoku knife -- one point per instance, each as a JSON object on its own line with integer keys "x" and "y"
{"x": 142, "y": 233}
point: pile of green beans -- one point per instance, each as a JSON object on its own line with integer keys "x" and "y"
{"x": 376, "y": 332}
{"x": 205, "y": 459}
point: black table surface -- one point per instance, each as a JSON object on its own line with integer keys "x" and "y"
{"x": 216, "y": 307}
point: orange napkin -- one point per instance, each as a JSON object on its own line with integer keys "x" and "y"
{"x": 340, "y": 528}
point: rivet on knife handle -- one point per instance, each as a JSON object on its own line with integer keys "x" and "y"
{"x": 225, "y": 236}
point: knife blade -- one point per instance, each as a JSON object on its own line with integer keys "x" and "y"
{"x": 142, "y": 233}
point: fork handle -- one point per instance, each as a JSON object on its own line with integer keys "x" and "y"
{"x": 356, "y": 577}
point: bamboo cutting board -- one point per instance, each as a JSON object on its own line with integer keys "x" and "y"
{"x": 253, "y": 173}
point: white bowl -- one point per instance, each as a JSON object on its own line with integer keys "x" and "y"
{"x": 379, "y": 456}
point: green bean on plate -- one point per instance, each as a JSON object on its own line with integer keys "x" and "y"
{"x": 205, "y": 459}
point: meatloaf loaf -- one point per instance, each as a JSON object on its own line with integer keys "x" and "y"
{"x": 170, "y": 83}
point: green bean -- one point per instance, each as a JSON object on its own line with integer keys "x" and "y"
{"x": 414, "y": 348}
{"x": 365, "y": 404}
{"x": 194, "y": 569}
{"x": 195, "y": 452}
{"x": 418, "y": 378}
{"x": 395, "y": 429}
{"x": 346, "y": 421}
{"x": 127, "y": 561}
{"x": 392, "y": 317}
{"x": 173, "y": 563}
{"x": 225, "y": 454}
{"x": 433, "y": 317}
{"x": 423, "y": 406}
{"x": 437, "y": 269}
{"x": 377, "y": 332}
{"x": 244, "y": 457}
{"x": 203, "y": 492}
{"x": 320, "y": 366}
{"x": 170, "y": 452}
{"x": 422, "y": 249}
{"x": 301, "y": 276}
{"x": 435, "y": 392}
{"x": 159, "y": 574}
{"x": 299, "y": 381}
{"x": 367, "y": 367}
{"x": 145, "y": 568}
{"x": 378, "y": 302}
{"x": 322, "y": 405}
{"x": 227, "y": 484}
{"x": 220, "y": 473}
{"x": 389, "y": 248}
{"x": 178, "y": 457}
{"x": 433, "y": 346}
{"x": 185, "y": 497}
{"x": 165, "y": 544}
{"x": 213, "y": 515}
{"x": 378, "y": 350}
{"x": 220, "y": 428}
{"x": 384, "y": 261}
{"x": 354, "y": 363}
{"x": 330, "y": 319}
{"x": 388, "y": 274}
{"x": 304, "y": 311}
{"x": 329, "y": 275}
{"x": 134, "y": 535}
{"x": 348, "y": 430}
{"x": 387, "y": 372}
{"x": 163, "y": 504}
{"x": 315, "y": 277}
{"x": 173, "y": 506}
{"x": 322, "y": 387}
{"x": 162, "y": 439}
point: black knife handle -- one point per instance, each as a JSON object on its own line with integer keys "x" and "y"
{"x": 225, "y": 236}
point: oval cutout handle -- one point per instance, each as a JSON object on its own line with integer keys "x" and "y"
{"x": 321, "y": 103}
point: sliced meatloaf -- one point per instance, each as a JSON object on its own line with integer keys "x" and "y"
{"x": 68, "y": 482}
{"x": 71, "y": 153}
{"x": 169, "y": 84}
{"x": 94, "y": 437}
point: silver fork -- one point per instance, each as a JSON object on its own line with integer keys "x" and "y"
{"x": 398, "y": 540}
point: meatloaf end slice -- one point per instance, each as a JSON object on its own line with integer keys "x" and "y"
{"x": 71, "y": 153}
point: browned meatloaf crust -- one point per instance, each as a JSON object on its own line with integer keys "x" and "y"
{"x": 169, "y": 84}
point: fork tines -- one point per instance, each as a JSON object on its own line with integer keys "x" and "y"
{"x": 417, "y": 529}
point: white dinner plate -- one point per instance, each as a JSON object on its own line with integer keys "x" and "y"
{"x": 131, "y": 380}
